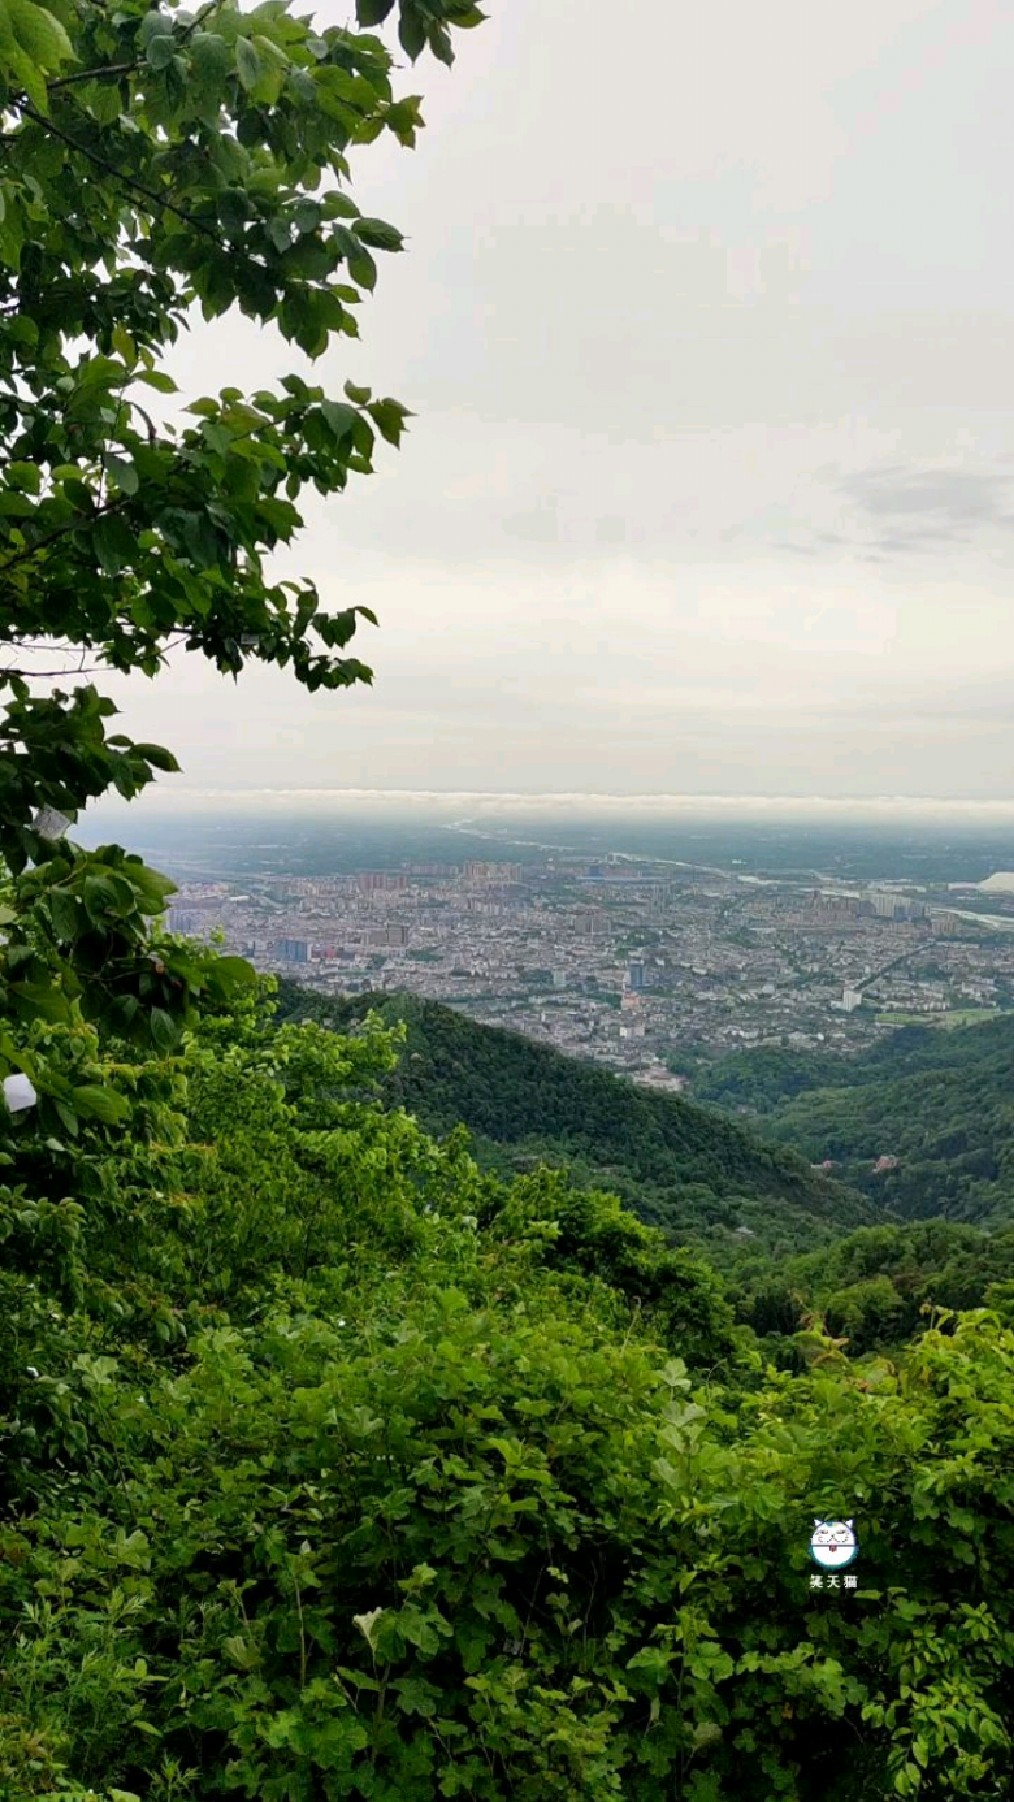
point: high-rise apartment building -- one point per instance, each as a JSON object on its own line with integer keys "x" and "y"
{"x": 492, "y": 874}
{"x": 293, "y": 951}
{"x": 386, "y": 882}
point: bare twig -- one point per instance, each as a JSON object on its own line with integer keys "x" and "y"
{"x": 45, "y": 675}
{"x": 302, "y": 1634}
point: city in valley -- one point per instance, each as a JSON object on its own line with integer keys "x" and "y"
{"x": 642, "y": 966}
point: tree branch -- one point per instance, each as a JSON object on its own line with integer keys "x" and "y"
{"x": 128, "y": 181}
{"x": 68, "y": 81}
{"x": 40, "y": 675}
{"x": 72, "y": 525}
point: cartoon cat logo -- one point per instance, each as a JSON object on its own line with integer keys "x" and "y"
{"x": 833, "y": 1544}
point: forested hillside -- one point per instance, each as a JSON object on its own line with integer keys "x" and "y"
{"x": 679, "y": 1166}
{"x": 941, "y": 1103}
{"x": 700, "y": 1175}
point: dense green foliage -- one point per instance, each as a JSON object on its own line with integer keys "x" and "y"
{"x": 155, "y": 161}
{"x": 333, "y": 1463}
{"x": 876, "y": 1286}
{"x": 942, "y": 1103}
{"x": 679, "y": 1166}
{"x": 761, "y": 1079}
{"x": 697, "y": 1175}
{"x": 335, "y": 1467}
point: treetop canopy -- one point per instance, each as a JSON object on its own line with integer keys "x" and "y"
{"x": 153, "y": 161}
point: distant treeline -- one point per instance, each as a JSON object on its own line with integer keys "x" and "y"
{"x": 942, "y": 1103}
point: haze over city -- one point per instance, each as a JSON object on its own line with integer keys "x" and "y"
{"x": 709, "y": 485}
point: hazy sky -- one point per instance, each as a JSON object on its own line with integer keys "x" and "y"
{"x": 708, "y": 318}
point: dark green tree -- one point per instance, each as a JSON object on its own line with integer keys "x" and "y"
{"x": 156, "y": 162}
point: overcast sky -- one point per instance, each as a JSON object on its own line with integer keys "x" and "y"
{"x": 707, "y": 316}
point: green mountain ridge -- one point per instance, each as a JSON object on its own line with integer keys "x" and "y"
{"x": 680, "y": 1166}
{"x": 942, "y": 1104}
{"x": 869, "y": 1265}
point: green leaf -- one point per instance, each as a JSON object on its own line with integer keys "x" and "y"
{"x": 373, "y": 12}
{"x": 160, "y": 759}
{"x": 104, "y": 896}
{"x": 12, "y": 238}
{"x": 163, "y": 1029}
{"x": 307, "y": 215}
{"x": 124, "y": 475}
{"x": 233, "y": 974}
{"x": 100, "y": 1104}
{"x": 248, "y": 64}
{"x": 389, "y": 417}
{"x": 65, "y": 914}
{"x": 241, "y": 1652}
{"x": 378, "y": 234}
{"x": 274, "y": 69}
{"x": 706, "y": 1733}
{"x": 14, "y": 506}
{"x": 160, "y": 52}
{"x": 150, "y": 886}
{"x": 337, "y": 205}
{"x": 124, "y": 346}
{"x": 340, "y": 418}
{"x": 115, "y": 544}
{"x": 211, "y": 58}
{"x": 40, "y": 999}
{"x": 154, "y": 24}
{"x": 28, "y": 75}
{"x": 67, "y": 1117}
{"x": 411, "y": 33}
{"x": 363, "y": 270}
{"x": 440, "y": 45}
{"x": 157, "y": 379}
{"x": 39, "y": 34}
{"x": 27, "y": 477}
{"x": 102, "y": 100}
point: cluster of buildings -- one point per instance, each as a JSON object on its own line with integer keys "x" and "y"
{"x": 627, "y": 964}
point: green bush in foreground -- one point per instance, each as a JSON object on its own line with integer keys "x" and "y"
{"x": 350, "y": 1472}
